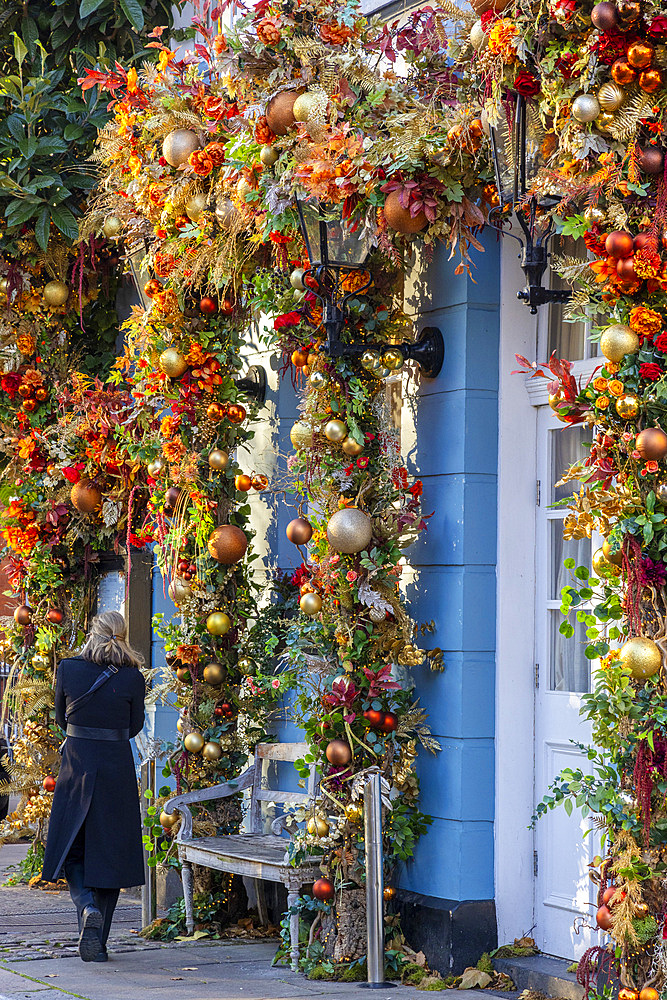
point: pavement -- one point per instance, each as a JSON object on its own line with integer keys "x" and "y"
{"x": 39, "y": 961}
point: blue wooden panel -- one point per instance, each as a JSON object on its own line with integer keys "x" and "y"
{"x": 456, "y": 432}
{"x": 458, "y": 781}
{"x": 460, "y": 700}
{"x": 461, "y": 600}
{"x": 453, "y": 860}
{"x": 462, "y": 528}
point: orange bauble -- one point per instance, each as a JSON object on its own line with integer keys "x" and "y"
{"x": 215, "y": 412}
{"x": 622, "y": 72}
{"x": 86, "y": 496}
{"x": 399, "y": 218}
{"x": 649, "y": 993}
{"x": 650, "y": 80}
{"x": 242, "y": 482}
{"x": 640, "y": 55}
{"x": 299, "y": 358}
{"x": 626, "y": 992}
{"x": 625, "y": 269}
{"x": 260, "y": 482}
{"x": 236, "y": 413}
{"x": 227, "y": 544}
{"x": 280, "y": 112}
{"x": 323, "y": 890}
{"x": 54, "y": 616}
{"x": 603, "y": 919}
{"x": 22, "y": 615}
{"x": 652, "y": 444}
{"x": 619, "y": 244}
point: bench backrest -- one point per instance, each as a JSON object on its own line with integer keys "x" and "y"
{"x": 265, "y": 754}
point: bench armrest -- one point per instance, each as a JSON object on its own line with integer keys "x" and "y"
{"x": 182, "y": 802}
{"x": 284, "y": 822}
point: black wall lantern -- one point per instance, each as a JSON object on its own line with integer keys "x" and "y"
{"x": 516, "y": 145}
{"x": 335, "y": 251}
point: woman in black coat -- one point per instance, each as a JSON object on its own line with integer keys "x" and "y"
{"x": 95, "y": 827}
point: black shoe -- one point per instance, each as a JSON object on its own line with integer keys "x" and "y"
{"x": 101, "y": 956}
{"x": 89, "y": 938}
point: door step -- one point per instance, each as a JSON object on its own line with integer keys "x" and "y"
{"x": 543, "y": 974}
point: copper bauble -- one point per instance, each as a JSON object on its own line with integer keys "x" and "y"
{"x": 349, "y": 530}
{"x": 622, "y": 72}
{"x": 280, "y": 112}
{"x": 214, "y": 673}
{"x": 211, "y": 751}
{"x": 603, "y": 918}
{"x": 177, "y": 146}
{"x": 112, "y": 226}
{"x": 617, "y": 341}
{"x": 619, "y": 244}
{"x": 215, "y": 412}
{"x": 218, "y": 459}
{"x": 226, "y": 213}
{"x": 195, "y": 205}
{"x": 388, "y": 893}
{"x": 54, "y": 616}
{"x": 193, "y": 742}
{"x": 227, "y": 544}
{"x": 650, "y": 80}
{"x": 605, "y": 16}
{"x": 625, "y": 992}
{"x": 338, "y": 753}
{"x": 56, "y": 293}
{"x": 218, "y": 623}
{"x": 22, "y": 615}
{"x": 651, "y": 160}
{"x": 172, "y": 362}
{"x": 652, "y": 444}
{"x": 629, "y": 11}
{"x": 85, "y": 496}
{"x": 625, "y": 269}
{"x": 585, "y": 108}
{"x": 335, "y": 431}
{"x": 323, "y": 889}
{"x": 268, "y": 155}
{"x": 389, "y": 722}
{"x": 661, "y": 492}
{"x": 236, "y": 413}
{"x": 310, "y": 604}
{"x": 167, "y": 820}
{"x": 642, "y": 656}
{"x": 627, "y": 406}
{"x": 615, "y": 555}
{"x": 179, "y": 590}
{"x": 299, "y": 531}
{"x": 171, "y": 499}
{"x": 156, "y": 467}
{"x": 352, "y": 447}
{"x": 301, "y": 434}
{"x": 183, "y": 674}
{"x": 49, "y": 783}
{"x": 399, "y": 218}
{"x": 640, "y": 54}
{"x": 317, "y": 826}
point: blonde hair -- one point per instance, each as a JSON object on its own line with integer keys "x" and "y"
{"x": 107, "y": 643}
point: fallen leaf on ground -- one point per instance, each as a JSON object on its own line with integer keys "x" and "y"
{"x": 472, "y": 978}
{"x": 420, "y": 959}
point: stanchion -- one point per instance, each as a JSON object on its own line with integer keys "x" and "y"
{"x": 374, "y": 882}
{"x": 148, "y": 891}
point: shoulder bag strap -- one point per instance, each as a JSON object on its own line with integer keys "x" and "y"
{"x": 95, "y": 686}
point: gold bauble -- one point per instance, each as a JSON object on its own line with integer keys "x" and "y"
{"x": 218, "y": 623}
{"x": 318, "y": 380}
{"x": 268, "y": 155}
{"x": 318, "y": 827}
{"x": 301, "y": 434}
{"x": 661, "y": 492}
{"x": 156, "y": 467}
{"x": 179, "y": 590}
{"x": 195, "y": 206}
{"x": 226, "y": 213}
{"x": 594, "y": 215}
{"x": 585, "y": 108}
{"x": 354, "y": 812}
{"x": 243, "y": 189}
{"x": 600, "y": 563}
{"x": 193, "y": 742}
{"x": 218, "y": 459}
{"x": 370, "y": 361}
{"x": 392, "y": 359}
{"x": 56, "y": 293}
{"x": 172, "y": 362}
{"x": 617, "y": 341}
{"x": 4, "y": 285}
{"x": 610, "y": 96}
{"x": 212, "y": 751}
{"x": 352, "y": 447}
{"x": 180, "y": 725}
{"x": 478, "y": 37}
{"x": 613, "y": 557}
{"x": 642, "y": 656}
{"x": 214, "y": 673}
{"x": 178, "y": 145}
{"x": 627, "y": 406}
{"x": 40, "y": 662}
{"x": 310, "y": 604}
{"x": 335, "y": 431}
{"x": 296, "y": 279}
{"x": 349, "y": 530}
{"x": 605, "y": 121}
{"x": 310, "y": 106}
{"x": 167, "y": 820}
{"x": 112, "y": 226}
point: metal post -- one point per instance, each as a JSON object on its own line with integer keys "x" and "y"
{"x": 374, "y": 882}
{"x": 148, "y": 891}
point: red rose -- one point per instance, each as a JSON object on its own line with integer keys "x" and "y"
{"x": 565, "y": 65}
{"x": 73, "y": 472}
{"x": 660, "y": 343}
{"x": 650, "y": 371}
{"x": 612, "y": 47}
{"x": 487, "y": 19}
{"x": 526, "y": 84}
{"x": 658, "y": 25}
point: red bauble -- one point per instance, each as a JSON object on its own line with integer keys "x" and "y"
{"x": 644, "y": 239}
{"x": 207, "y": 305}
{"x": 603, "y": 918}
{"x": 625, "y": 269}
{"x": 389, "y": 722}
{"x": 374, "y": 718}
{"x": 49, "y": 783}
{"x": 652, "y": 444}
{"x": 608, "y": 895}
{"x": 22, "y": 615}
{"x": 619, "y": 244}
{"x": 323, "y": 889}
{"x": 54, "y": 616}
{"x": 227, "y": 306}
{"x": 605, "y": 16}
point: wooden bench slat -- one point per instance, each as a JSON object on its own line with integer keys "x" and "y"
{"x": 281, "y": 751}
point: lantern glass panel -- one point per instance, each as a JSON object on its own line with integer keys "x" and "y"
{"x": 329, "y": 239}
{"x": 140, "y": 274}
{"x": 517, "y": 143}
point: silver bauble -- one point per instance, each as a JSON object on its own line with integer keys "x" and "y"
{"x": 349, "y": 530}
{"x": 585, "y": 108}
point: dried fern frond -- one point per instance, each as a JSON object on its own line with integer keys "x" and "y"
{"x": 627, "y": 119}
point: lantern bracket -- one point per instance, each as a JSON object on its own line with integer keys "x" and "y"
{"x": 253, "y": 383}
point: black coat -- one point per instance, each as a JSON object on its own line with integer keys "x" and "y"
{"x": 97, "y": 781}
{"x": 4, "y": 776}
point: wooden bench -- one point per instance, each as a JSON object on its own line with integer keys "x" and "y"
{"x": 255, "y": 853}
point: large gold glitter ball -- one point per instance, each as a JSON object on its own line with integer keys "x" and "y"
{"x": 212, "y": 751}
{"x": 56, "y": 293}
{"x": 214, "y": 673}
{"x": 642, "y": 656}
{"x": 661, "y": 492}
{"x": 627, "y": 406}
{"x": 172, "y": 362}
{"x": 112, "y": 226}
{"x": 218, "y": 623}
{"x": 195, "y": 206}
{"x": 352, "y": 447}
{"x": 301, "y": 434}
{"x": 318, "y": 826}
{"x": 585, "y": 108}
{"x": 179, "y": 590}
{"x": 335, "y": 431}
{"x": 478, "y": 37}
{"x": 156, "y": 467}
{"x": 349, "y": 530}
{"x": 354, "y": 812}
{"x": 617, "y": 341}
{"x": 296, "y": 279}
{"x": 178, "y": 145}
{"x": 226, "y": 212}
{"x": 218, "y": 459}
{"x": 310, "y": 604}
{"x": 392, "y": 359}
{"x": 370, "y": 361}
{"x": 193, "y": 742}
{"x": 310, "y": 106}
{"x": 610, "y": 96}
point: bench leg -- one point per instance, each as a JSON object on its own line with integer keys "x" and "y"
{"x": 292, "y": 897}
{"x": 262, "y": 911}
{"x": 188, "y": 892}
